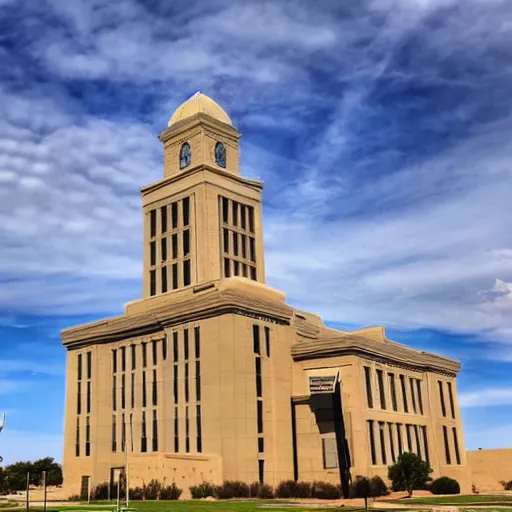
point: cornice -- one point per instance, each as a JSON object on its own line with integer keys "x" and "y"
{"x": 385, "y": 352}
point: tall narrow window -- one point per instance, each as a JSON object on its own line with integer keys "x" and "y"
{"x": 199, "y": 441}
{"x": 163, "y": 218}
{"x": 368, "y": 380}
{"x": 123, "y": 433}
{"x": 185, "y": 344}
{"x": 155, "y": 350}
{"x": 450, "y": 396}
{"x": 197, "y": 340}
{"x": 392, "y": 389}
{"x": 382, "y": 444}
{"x": 409, "y": 437}
{"x": 186, "y": 211}
{"x": 123, "y": 359}
{"x": 256, "y": 338}
{"x": 418, "y": 443}
{"x": 446, "y": 446}
{"x": 425, "y": 443}
{"x": 372, "y": 443}
{"x": 382, "y": 394}
{"x": 144, "y": 391}
{"x": 143, "y": 438}
{"x": 413, "y": 395}
{"x": 133, "y": 391}
{"x": 134, "y": 357}
{"x": 399, "y": 438}
{"x": 114, "y": 433}
{"x": 154, "y": 389}
{"x": 258, "y": 377}
{"x": 88, "y": 397}
{"x": 267, "y": 340}
{"x": 186, "y": 273}
{"x": 261, "y": 470}
{"x": 174, "y": 215}
{"x": 176, "y": 431}
{"x": 186, "y": 382}
{"x": 114, "y": 361}
{"x": 404, "y": 393}
{"x": 186, "y": 242}
{"x": 391, "y": 442}
{"x": 225, "y": 210}
{"x": 123, "y": 391}
{"x": 155, "y": 431}
{"x": 79, "y": 366}
{"x": 420, "y": 398}
{"x": 77, "y": 438}
{"x": 87, "y": 436}
{"x": 198, "y": 381}
{"x": 164, "y": 348}
{"x": 89, "y": 365}
{"x": 175, "y": 346}
{"x": 456, "y": 445}
{"x": 152, "y": 283}
{"x": 187, "y": 430}
{"x": 260, "y": 416}
{"x": 114, "y": 393}
{"x": 441, "y": 397}
{"x": 79, "y": 398}
{"x": 152, "y": 223}
{"x": 175, "y": 384}
{"x": 144, "y": 354}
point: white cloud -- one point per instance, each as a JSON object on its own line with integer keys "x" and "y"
{"x": 486, "y": 397}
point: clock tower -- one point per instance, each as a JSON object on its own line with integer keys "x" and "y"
{"x": 202, "y": 222}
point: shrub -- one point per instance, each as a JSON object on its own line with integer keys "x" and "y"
{"x": 171, "y": 492}
{"x": 74, "y": 497}
{"x": 232, "y": 489}
{"x": 377, "y": 487}
{"x": 292, "y": 489}
{"x": 409, "y": 472}
{"x": 261, "y": 491}
{"x": 325, "y": 491}
{"x": 137, "y": 493}
{"x": 203, "y": 490}
{"x": 152, "y": 490}
{"x": 507, "y": 486}
{"x": 445, "y": 485}
{"x": 100, "y": 491}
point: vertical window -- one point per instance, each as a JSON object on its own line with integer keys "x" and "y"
{"x": 186, "y": 211}
{"x": 133, "y": 391}
{"x": 251, "y": 219}
{"x": 252, "y": 250}
{"x": 425, "y": 444}
{"x": 174, "y": 244}
{"x": 261, "y": 445}
{"x": 87, "y": 436}
{"x": 123, "y": 433}
{"x": 152, "y": 254}
{"x": 256, "y": 338}
{"x": 152, "y": 223}
{"x": 456, "y": 445}
{"x": 164, "y": 348}
{"x": 155, "y": 389}
{"x": 382, "y": 394}
{"x": 418, "y": 443}
{"x": 89, "y": 365}
{"x": 198, "y": 381}
{"x": 174, "y": 276}
{"x": 155, "y": 431}
{"x": 79, "y": 398}
{"x": 420, "y": 398}
{"x": 163, "y": 218}
{"x": 198, "y": 429}
{"x": 88, "y": 397}
{"x": 143, "y": 438}
{"x": 260, "y": 416}
{"x": 174, "y": 215}
{"x": 164, "y": 279}
{"x": 399, "y": 438}
{"x": 227, "y": 271}
{"x": 114, "y": 393}
{"x": 391, "y": 442}
{"x": 261, "y": 470}
{"x": 235, "y": 213}
{"x": 175, "y": 384}
{"x": 175, "y": 346}
{"x": 155, "y": 349}
{"x": 446, "y": 446}
{"x": 152, "y": 283}
{"x": 392, "y": 388}
{"x": 372, "y": 443}
{"x": 186, "y": 273}
{"x": 413, "y": 395}
{"x": 382, "y": 443}
{"x": 77, "y": 438}
{"x": 176, "y": 431}
{"x": 79, "y": 366}
{"x": 186, "y": 383}
{"x": 225, "y": 240}
{"x": 186, "y": 242}
{"x": 197, "y": 340}
{"x": 163, "y": 249}
{"x": 267, "y": 340}
{"x": 450, "y": 396}
{"x": 187, "y": 430}
{"x": 123, "y": 359}
{"x": 144, "y": 355}
{"x": 114, "y": 361}
{"x": 225, "y": 210}
{"x": 134, "y": 357}
{"x": 404, "y": 393}
{"x": 114, "y": 433}
{"x": 258, "y": 377}
{"x": 409, "y": 437}
{"x": 185, "y": 344}
{"x": 123, "y": 391}
{"x": 441, "y": 397}
{"x": 368, "y": 380}
{"x": 144, "y": 395}
{"x": 235, "y": 243}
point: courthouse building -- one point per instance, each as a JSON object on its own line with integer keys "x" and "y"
{"x": 211, "y": 375}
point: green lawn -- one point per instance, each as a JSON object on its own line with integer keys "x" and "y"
{"x": 476, "y": 499}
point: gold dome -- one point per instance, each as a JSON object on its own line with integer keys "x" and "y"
{"x": 199, "y": 103}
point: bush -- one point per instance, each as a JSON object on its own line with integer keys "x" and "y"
{"x": 137, "y": 493}
{"x": 152, "y": 490}
{"x": 292, "y": 489}
{"x": 409, "y": 472}
{"x": 325, "y": 491}
{"x": 445, "y": 485}
{"x": 203, "y": 490}
{"x": 100, "y": 491}
{"x": 377, "y": 487}
{"x": 74, "y": 497}
{"x": 507, "y": 486}
{"x": 360, "y": 487}
{"x": 232, "y": 489}
{"x": 171, "y": 492}
{"x": 261, "y": 491}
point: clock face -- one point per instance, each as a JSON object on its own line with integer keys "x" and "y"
{"x": 185, "y": 155}
{"x": 220, "y": 154}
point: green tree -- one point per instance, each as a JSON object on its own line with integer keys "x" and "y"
{"x": 361, "y": 488}
{"x": 15, "y": 475}
{"x": 409, "y": 472}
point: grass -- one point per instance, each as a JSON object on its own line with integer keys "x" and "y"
{"x": 477, "y": 499}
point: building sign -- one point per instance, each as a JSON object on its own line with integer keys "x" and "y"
{"x": 322, "y": 384}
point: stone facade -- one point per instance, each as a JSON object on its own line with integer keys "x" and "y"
{"x": 212, "y": 376}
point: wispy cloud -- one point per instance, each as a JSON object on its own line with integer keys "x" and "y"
{"x": 486, "y": 397}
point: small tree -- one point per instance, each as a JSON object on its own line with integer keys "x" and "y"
{"x": 361, "y": 488}
{"x": 409, "y": 472}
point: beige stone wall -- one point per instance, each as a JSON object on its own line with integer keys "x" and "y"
{"x": 489, "y": 468}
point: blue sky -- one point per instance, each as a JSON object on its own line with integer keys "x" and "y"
{"x": 382, "y": 130}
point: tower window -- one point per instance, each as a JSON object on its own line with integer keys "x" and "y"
{"x": 441, "y": 397}
{"x": 220, "y": 155}
{"x": 450, "y": 396}
{"x": 446, "y": 446}
{"x": 372, "y": 443}
{"x": 382, "y": 394}
{"x": 163, "y": 218}
{"x": 152, "y": 223}
{"x": 368, "y": 380}
{"x": 185, "y": 155}
{"x": 186, "y": 211}
{"x": 404, "y": 393}
{"x": 392, "y": 388}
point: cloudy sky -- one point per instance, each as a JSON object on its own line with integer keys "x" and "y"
{"x": 382, "y": 130}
